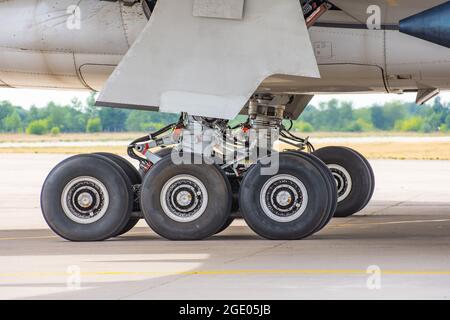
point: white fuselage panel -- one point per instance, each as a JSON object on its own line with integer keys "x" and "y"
{"x": 38, "y": 49}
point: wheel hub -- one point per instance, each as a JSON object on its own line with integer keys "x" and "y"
{"x": 85, "y": 200}
{"x": 343, "y": 181}
{"x": 184, "y": 198}
{"x": 284, "y": 198}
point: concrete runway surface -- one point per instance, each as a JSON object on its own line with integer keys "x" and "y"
{"x": 398, "y": 247}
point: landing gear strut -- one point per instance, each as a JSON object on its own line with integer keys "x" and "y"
{"x": 203, "y": 174}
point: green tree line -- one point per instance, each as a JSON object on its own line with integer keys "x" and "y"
{"x": 78, "y": 117}
{"x": 333, "y": 115}
{"x": 341, "y": 116}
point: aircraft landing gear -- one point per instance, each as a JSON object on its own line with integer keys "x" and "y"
{"x": 98, "y": 196}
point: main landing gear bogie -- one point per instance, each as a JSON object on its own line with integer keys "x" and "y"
{"x": 98, "y": 196}
{"x": 95, "y": 196}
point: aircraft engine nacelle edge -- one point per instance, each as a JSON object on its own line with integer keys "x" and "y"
{"x": 432, "y": 25}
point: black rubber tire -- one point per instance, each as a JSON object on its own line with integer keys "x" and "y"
{"x": 235, "y": 186}
{"x": 235, "y": 183}
{"x": 226, "y": 225}
{"x": 316, "y": 211}
{"x": 331, "y": 186}
{"x": 372, "y": 175}
{"x": 128, "y": 227}
{"x": 130, "y": 170}
{"x": 116, "y": 182}
{"x": 216, "y": 213}
{"x": 359, "y": 173}
{"x": 135, "y": 179}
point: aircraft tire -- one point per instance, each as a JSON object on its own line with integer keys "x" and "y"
{"x": 352, "y": 176}
{"x": 226, "y": 225}
{"x": 289, "y": 205}
{"x": 331, "y": 186}
{"x": 235, "y": 185}
{"x": 185, "y": 201}
{"x": 87, "y": 198}
{"x": 372, "y": 176}
{"x": 135, "y": 179}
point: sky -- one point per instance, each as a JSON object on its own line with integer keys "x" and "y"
{"x": 28, "y": 97}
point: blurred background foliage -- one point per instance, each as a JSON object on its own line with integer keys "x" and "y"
{"x": 331, "y": 116}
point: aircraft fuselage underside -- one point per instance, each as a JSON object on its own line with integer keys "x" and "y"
{"x": 37, "y": 50}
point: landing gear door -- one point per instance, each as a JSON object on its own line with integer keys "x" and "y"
{"x": 207, "y": 57}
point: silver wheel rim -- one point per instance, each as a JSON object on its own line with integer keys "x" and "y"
{"x": 343, "y": 181}
{"x": 284, "y": 198}
{"x": 85, "y": 200}
{"x": 184, "y": 198}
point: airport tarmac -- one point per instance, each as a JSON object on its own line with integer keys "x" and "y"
{"x": 398, "y": 247}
